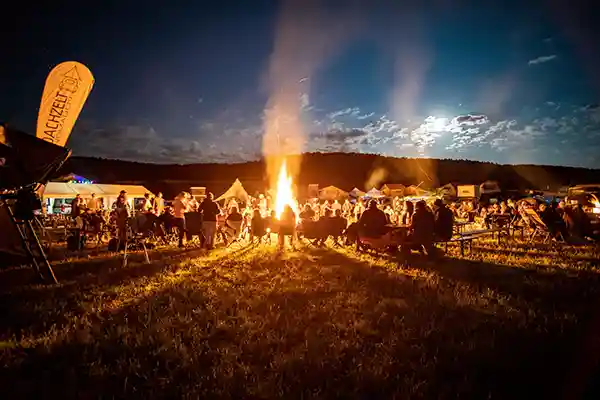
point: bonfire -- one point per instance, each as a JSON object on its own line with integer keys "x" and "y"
{"x": 284, "y": 194}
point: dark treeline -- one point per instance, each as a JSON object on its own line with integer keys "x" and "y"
{"x": 339, "y": 169}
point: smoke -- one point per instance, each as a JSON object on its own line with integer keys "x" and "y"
{"x": 376, "y": 178}
{"x": 413, "y": 58}
{"x": 307, "y": 34}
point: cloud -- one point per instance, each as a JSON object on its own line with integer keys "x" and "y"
{"x": 569, "y": 135}
{"x": 541, "y": 59}
{"x": 470, "y": 120}
{"x": 353, "y": 111}
{"x": 340, "y": 134}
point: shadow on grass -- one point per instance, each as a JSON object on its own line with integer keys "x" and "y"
{"x": 315, "y": 323}
{"x": 564, "y": 303}
{"x": 35, "y": 309}
{"x": 559, "y": 253}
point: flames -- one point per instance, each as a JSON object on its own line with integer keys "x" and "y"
{"x": 284, "y": 195}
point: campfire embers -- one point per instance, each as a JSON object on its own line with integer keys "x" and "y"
{"x": 284, "y": 195}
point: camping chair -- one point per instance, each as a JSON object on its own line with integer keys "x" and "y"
{"x": 312, "y": 231}
{"x": 136, "y": 238}
{"x": 539, "y": 227}
{"x": 232, "y": 229}
{"x": 193, "y": 226}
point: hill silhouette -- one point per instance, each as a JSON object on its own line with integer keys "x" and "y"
{"x": 344, "y": 170}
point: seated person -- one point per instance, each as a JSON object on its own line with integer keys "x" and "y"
{"x": 307, "y": 213}
{"x": 287, "y": 226}
{"x": 351, "y": 233}
{"x": 233, "y": 224}
{"x": 324, "y": 227}
{"x": 258, "y": 227}
{"x": 373, "y": 221}
{"x": 338, "y": 226}
{"x": 422, "y": 230}
{"x": 444, "y": 220}
{"x": 553, "y": 221}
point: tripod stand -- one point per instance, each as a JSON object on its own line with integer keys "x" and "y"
{"x": 31, "y": 244}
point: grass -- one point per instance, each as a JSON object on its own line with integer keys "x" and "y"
{"x": 315, "y": 323}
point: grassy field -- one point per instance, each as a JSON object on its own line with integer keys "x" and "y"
{"x": 315, "y": 323}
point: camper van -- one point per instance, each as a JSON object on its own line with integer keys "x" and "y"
{"x": 589, "y": 198}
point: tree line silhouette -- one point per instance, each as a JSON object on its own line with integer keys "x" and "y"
{"x": 344, "y": 170}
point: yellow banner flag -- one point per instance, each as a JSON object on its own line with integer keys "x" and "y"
{"x": 67, "y": 88}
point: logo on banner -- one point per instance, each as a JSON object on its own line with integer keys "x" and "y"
{"x": 59, "y": 110}
{"x": 65, "y": 92}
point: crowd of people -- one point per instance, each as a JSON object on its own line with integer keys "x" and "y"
{"x": 568, "y": 222}
{"x": 255, "y": 219}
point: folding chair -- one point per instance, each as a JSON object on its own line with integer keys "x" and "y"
{"x": 232, "y": 229}
{"x": 539, "y": 227}
{"x": 135, "y": 238}
{"x": 193, "y": 226}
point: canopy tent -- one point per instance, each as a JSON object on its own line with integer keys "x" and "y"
{"x": 374, "y": 194}
{"x": 65, "y": 190}
{"x": 25, "y": 160}
{"x": 236, "y": 190}
{"x": 332, "y": 193}
{"x": 357, "y": 193}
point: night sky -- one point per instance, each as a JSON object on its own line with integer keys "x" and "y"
{"x": 506, "y": 81}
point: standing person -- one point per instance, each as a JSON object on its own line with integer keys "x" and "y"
{"x": 159, "y": 204}
{"x": 94, "y": 203}
{"x": 121, "y": 213}
{"x": 147, "y": 207}
{"x": 346, "y": 209}
{"x": 180, "y": 207}
{"x": 336, "y": 206}
{"x": 262, "y": 205}
{"x": 77, "y": 206}
{"x": 210, "y": 210}
{"x": 359, "y": 208}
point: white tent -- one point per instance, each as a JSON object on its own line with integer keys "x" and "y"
{"x": 109, "y": 193}
{"x": 357, "y": 193}
{"x": 236, "y": 190}
{"x": 64, "y": 190}
{"x": 374, "y": 194}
